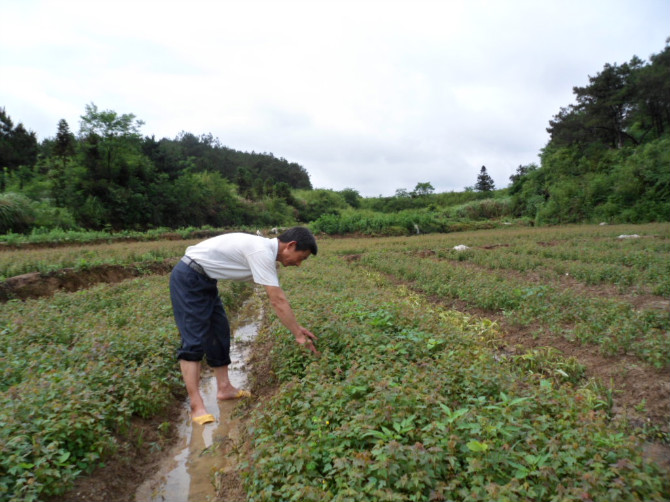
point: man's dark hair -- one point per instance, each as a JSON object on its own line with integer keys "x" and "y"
{"x": 302, "y": 236}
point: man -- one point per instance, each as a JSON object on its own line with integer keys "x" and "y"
{"x": 200, "y": 315}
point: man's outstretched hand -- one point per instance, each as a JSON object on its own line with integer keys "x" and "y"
{"x": 307, "y": 339}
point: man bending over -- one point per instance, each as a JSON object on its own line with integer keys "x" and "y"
{"x": 199, "y": 312}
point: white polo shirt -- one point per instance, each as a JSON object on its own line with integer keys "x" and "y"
{"x": 238, "y": 257}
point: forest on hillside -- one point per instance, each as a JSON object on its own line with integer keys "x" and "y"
{"x": 608, "y": 159}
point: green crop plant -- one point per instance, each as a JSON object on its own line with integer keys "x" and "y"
{"x": 383, "y": 414}
{"x": 76, "y": 368}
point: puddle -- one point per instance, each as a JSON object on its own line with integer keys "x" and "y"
{"x": 188, "y": 474}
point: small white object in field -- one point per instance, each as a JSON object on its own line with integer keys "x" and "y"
{"x": 632, "y": 236}
{"x": 461, "y": 247}
{"x": 602, "y": 224}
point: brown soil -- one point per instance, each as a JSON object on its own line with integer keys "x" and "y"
{"x": 36, "y": 284}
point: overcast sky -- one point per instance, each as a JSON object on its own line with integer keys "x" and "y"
{"x": 371, "y": 95}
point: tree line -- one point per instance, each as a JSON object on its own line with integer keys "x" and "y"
{"x": 608, "y": 156}
{"x": 607, "y": 159}
{"x": 110, "y": 176}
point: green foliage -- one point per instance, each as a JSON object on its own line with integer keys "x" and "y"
{"x": 407, "y": 402}
{"x": 109, "y": 176}
{"x": 422, "y": 189}
{"x": 16, "y": 214}
{"x": 630, "y": 185}
{"x": 198, "y": 199}
{"x": 608, "y": 153}
{"x": 75, "y": 369}
{"x": 49, "y": 216}
{"x": 410, "y": 222}
{"x": 371, "y": 223}
{"x": 18, "y": 146}
{"x": 486, "y": 209}
{"x": 352, "y": 197}
{"x": 316, "y": 203}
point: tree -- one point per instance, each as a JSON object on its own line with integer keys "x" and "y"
{"x": 114, "y": 136}
{"x": 484, "y": 181}
{"x": 518, "y": 178}
{"x": 421, "y": 189}
{"x": 109, "y": 124}
{"x": 352, "y": 197}
{"x": 607, "y": 103}
{"x": 18, "y": 146}
{"x": 65, "y": 142}
{"x": 25, "y": 146}
{"x": 622, "y": 105}
{"x": 652, "y": 94}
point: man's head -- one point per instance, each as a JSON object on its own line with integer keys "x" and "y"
{"x": 295, "y": 245}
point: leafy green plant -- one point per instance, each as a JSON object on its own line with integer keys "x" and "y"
{"x": 76, "y": 369}
{"x": 382, "y": 415}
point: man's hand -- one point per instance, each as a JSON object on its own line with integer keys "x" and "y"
{"x": 283, "y": 310}
{"x": 307, "y": 339}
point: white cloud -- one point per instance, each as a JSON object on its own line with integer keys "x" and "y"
{"x": 368, "y": 94}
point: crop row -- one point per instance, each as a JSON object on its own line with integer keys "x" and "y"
{"x": 507, "y": 272}
{"x": 75, "y": 369}
{"x": 590, "y": 254}
{"x": 646, "y": 273}
{"x": 409, "y": 402}
{"x": 615, "y": 325}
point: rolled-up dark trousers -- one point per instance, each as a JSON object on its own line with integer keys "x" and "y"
{"x": 200, "y": 317}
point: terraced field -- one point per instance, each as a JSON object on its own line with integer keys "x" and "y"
{"x": 533, "y": 365}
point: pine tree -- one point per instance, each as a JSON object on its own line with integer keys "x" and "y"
{"x": 484, "y": 181}
{"x": 65, "y": 142}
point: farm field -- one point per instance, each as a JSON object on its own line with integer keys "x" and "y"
{"x": 534, "y": 365}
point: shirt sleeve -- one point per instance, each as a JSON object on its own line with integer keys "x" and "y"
{"x": 263, "y": 269}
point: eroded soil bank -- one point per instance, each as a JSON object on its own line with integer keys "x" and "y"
{"x": 36, "y": 284}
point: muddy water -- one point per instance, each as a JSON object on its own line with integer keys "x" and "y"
{"x": 188, "y": 472}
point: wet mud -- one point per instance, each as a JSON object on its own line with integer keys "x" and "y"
{"x": 189, "y": 470}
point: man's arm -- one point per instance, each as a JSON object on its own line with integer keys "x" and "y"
{"x": 283, "y": 310}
